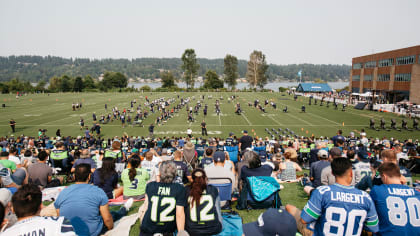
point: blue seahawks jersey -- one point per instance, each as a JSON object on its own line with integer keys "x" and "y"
{"x": 398, "y": 209}
{"x": 340, "y": 210}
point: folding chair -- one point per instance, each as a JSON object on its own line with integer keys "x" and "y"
{"x": 225, "y": 189}
{"x": 272, "y": 201}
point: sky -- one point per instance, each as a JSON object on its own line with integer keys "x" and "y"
{"x": 286, "y": 31}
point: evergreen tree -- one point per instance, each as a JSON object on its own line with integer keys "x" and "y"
{"x": 190, "y": 67}
{"x": 230, "y": 70}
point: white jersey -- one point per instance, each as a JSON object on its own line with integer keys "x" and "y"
{"x": 37, "y": 225}
{"x": 361, "y": 169}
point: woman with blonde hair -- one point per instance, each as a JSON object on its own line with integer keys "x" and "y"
{"x": 288, "y": 168}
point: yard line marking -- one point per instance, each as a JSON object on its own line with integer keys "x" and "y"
{"x": 220, "y": 121}
{"x": 275, "y": 120}
{"x": 249, "y": 123}
{"x": 307, "y": 122}
{"x": 323, "y": 118}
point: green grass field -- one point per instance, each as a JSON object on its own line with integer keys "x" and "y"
{"x": 51, "y": 112}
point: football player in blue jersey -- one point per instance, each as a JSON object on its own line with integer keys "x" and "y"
{"x": 340, "y": 209}
{"x": 398, "y": 205}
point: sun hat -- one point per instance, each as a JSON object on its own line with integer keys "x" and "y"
{"x": 189, "y": 145}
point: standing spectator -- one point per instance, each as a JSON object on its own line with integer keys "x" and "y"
{"x": 98, "y": 130}
{"x": 351, "y": 213}
{"x": 339, "y": 136}
{"x": 87, "y": 205}
{"x": 27, "y": 202}
{"x": 245, "y": 141}
{"x": 12, "y": 125}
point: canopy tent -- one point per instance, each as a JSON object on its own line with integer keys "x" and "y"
{"x": 313, "y": 88}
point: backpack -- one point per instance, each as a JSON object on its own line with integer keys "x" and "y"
{"x": 232, "y": 224}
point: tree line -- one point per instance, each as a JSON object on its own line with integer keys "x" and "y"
{"x": 37, "y": 68}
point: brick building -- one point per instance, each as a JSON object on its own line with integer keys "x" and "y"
{"x": 395, "y": 75}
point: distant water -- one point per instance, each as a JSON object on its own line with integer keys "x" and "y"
{"x": 274, "y": 86}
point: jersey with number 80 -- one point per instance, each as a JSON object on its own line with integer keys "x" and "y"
{"x": 398, "y": 209}
{"x": 340, "y": 210}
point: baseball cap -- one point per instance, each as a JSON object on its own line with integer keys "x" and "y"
{"x": 219, "y": 156}
{"x": 322, "y": 154}
{"x": 169, "y": 151}
{"x": 231, "y": 134}
{"x": 5, "y": 196}
{"x": 272, "y": 222}
{"x": 134, "y": 150}
{"x": 245, "y": 131}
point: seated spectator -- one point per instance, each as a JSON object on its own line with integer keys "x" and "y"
{"x": 9, "y": 217}
{"x": 12, "y": 180}
{"x": 5, "y": 162}
{"x": 395, "y": 220}
{"x": 12, "y": 157}
{"x": 255, "y": 168}
{"x": 60, "y": 158}
{"x": 289, "y": 168}
{"x": 203, "y": 214}
{"x": 87, "y": 205}
{"x": 40, "y": 173}
{"x": 208, "y": 158}
{"x": 151, "y": 164}
{"x": 327, "y": 178}
{"x": 190, "y": 155}
{"x": 134, "y": 179}
{"x": 229, "y": 164}
{"x": 326, "y": 201}
{"x": 115, "y": 152}
{"x": 106, "y": 178}
{"x": 27, "y": 202}
{"x": 183, "y": 173}
{"x": 218, "y": 171}
{"x": 272, "y": 222}
{"x": 85, "y": 158}
{"x": 164, "y": 196}
{"x": 316, "y": 171}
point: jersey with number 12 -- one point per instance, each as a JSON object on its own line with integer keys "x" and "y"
{"x": 398, "y": 209}
{"x": 340, "y": 210}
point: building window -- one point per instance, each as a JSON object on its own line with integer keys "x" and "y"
{"x": 386, "y": 62}
{"x": 370, "y": 64}
{"x": 367, "y": 78}
{"x": 356, "y": 77}
{"x": 357, "y": 66}
{"x": 402, "y": 77}
{"x": 383, "y": 77}
{"x": 406, "y": 60}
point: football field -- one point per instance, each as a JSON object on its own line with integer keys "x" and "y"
{"x": 54, "y": 111}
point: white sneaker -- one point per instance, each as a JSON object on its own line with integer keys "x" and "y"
{"x": 128, "y": 204}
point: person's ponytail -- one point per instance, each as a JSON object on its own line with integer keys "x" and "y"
{"x": 198, "y": 185}
{"x": 134, "y": 163}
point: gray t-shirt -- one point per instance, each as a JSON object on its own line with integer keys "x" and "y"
{"x": 38, "y": 173}
{"x": 316, "y": 170}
